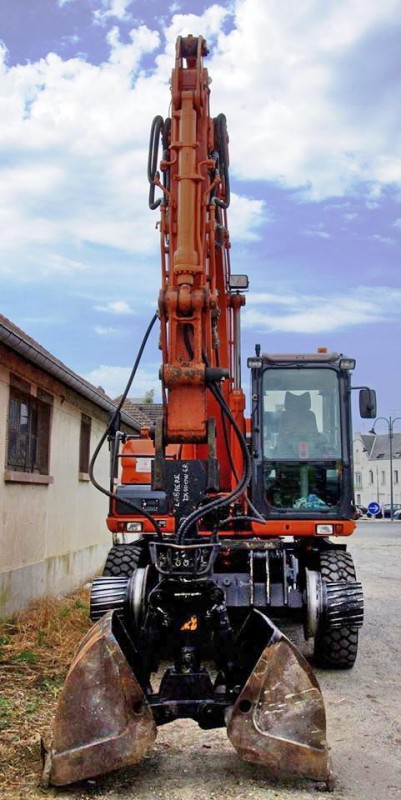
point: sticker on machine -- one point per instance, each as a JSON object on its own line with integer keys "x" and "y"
{"x": 143, "y": 464}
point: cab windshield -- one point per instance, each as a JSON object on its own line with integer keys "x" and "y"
{"x": 301, "y": 439}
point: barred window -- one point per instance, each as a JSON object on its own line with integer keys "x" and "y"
{"x": 28, "y": 442}
{"x": 84, "y": 443}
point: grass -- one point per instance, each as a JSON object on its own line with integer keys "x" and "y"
{"x": 36, "y": 647}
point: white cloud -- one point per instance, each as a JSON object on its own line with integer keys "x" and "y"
{"x": 116, "y": 307}
{"x": 113, "y": 379}
{"x": 383, "y": 239}
{"x": 74, "y": 135}
{"x": 319, "y": 313}
{"x": 246, "y": 217}
{"x": 102, "y": 330}
{"x": 117, "y": 9}
{"x": 317, "y": 233}
{"x": 281, "y": 78}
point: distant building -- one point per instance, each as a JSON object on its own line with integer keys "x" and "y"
{"x": 53, "y": 534}
{"x": 372, "y": 479}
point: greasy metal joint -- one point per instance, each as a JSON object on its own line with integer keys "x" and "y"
{"x": 237, "y": 300}
{"x": 184, "y": 300}
{"x": 174, "y": 375}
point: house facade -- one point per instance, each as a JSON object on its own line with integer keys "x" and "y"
{"x": 53, "y": 535}
{"x": 373, "y": 473}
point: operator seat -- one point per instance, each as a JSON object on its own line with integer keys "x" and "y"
{"x": 297, "y": 424}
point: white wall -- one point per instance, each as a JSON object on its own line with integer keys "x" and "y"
{"x": 378, "y": 490}
{"x": 52, "y": 537}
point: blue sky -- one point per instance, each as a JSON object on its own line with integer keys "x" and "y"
{"x": 312, "y": 94}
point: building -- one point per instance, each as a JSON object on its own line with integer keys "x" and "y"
{"x": 372, "y": 479}
{"x": 53, "y": 534}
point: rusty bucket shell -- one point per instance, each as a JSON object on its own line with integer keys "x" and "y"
{"x": 103, "y": 720}
{"x": 279, "y": 719}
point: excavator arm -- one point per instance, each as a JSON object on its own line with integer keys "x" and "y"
{"x": 195, "y": 271}
{"x": 198, "y": 308}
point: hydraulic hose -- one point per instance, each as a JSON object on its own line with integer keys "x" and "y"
{"x": 217, "y": 502}
{"x": 100, "y": 444}
{"x": 246, "y": 518}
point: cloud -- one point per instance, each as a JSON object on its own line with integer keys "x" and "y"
{"x": 101, "y": 330}
{"x": 387, "y": 240}
{"x": 319, "y": 313}
{"x": 317, "y": 233}
{"x": 117, "y": 9}
{"x": 247, "y": 216}
{"x": 74, "y": 152}
{"x": 282, "y": 76}
{"x": 116, "y": 307}
{"x": 113, "y": 379}
{"x": 74, "y": 136}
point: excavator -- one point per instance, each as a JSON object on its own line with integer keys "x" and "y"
{"x": 225, "y": 529}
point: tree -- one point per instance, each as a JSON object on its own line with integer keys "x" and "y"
{"x": 149, "y": 396}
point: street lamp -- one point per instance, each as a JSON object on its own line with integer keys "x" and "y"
{"x": 390, "y": 424}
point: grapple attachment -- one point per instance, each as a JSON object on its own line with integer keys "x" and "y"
{"x": 103, "y": 720}
{"x": 107, "y": 714}
{"x": 278, "y": 719}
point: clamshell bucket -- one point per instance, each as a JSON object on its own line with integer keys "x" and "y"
{"x": 103, "y": 721}
{"x": 107, "y": 714}
{"x": 279, "y": 719}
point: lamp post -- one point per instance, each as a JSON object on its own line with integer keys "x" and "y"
{"x": 390, "y": 424}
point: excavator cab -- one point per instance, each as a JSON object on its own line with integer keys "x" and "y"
{"x": 302, "y": 437}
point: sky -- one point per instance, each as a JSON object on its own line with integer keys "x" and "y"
{"x": 312, "y": 93}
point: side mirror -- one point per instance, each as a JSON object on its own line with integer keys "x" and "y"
{"x": 367, "y": 403}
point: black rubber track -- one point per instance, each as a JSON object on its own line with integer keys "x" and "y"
{"x": 336, "y": 648}
{"x": 123, "y": 559}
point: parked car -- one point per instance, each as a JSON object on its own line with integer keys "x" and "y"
{"x": 397, "y": 514}
{"x": 360, "y": 511}
{"x": 387, "y": 509}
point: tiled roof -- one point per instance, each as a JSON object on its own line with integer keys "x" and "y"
{"x": 145, "y": 414}
{"x": 16, "y": 339}
{"x": 381, "y": 446}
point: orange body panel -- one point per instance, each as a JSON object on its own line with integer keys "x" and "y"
{"x": 136, "y": 460}
{"x": 302, "y": 527}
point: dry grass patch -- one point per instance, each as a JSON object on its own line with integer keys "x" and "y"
{"x": 36, "y": 647}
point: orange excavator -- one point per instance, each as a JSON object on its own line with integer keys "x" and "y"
{"x": 222, "y": 527}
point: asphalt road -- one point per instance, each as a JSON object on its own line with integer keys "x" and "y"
{"x": 364, "y": 705}
{"x": 363, "y": 709}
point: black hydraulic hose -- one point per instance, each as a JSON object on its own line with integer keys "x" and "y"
{"x": 225, "y": 433}
{"x": 156, "y": 129}
{"x": 217, "y": 393}
{"x": 242, "y": 484}
{"x": 100, "y": 444}
{"x": 228, "y": 448}
{"x": 257, "y": 516}
{"x": 187, "y": 341}
{"x": 222, "y": 149}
